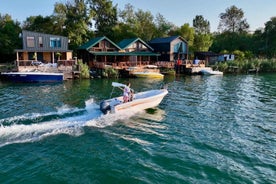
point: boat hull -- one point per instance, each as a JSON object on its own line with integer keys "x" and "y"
{"x": 211, "y": 72}
{"x": 32, "y": 77}
{"x": 148, "y": 74}
{"x": 142, "y": 100}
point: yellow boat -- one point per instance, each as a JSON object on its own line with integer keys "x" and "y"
{"x": 148, "y": 74}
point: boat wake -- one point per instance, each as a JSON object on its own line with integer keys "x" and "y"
{"x": 36, "y": 126}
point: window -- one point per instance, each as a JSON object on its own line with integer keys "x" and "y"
{"x": 55, "y": 42}
{"x": 40, "y": 42}
{"x": 30, "y": 41}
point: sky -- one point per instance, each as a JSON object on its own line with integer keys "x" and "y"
{"x": 179, "y": 12}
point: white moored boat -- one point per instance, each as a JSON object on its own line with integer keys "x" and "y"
{"x": 210, "y": 72}
{"x": 140, "y": 101}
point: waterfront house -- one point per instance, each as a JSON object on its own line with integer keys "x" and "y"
{"x": 101, "y": 52}
{"x": 171, "y": 48}
{"x": 40, "y": 48}
{"x": 98, "y": 52}
{"x": 138, "y": 52}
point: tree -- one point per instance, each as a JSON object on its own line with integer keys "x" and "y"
{"x": 232, "y": 21}
{"x": 202, "y": 42}
{"x": 259, "y": 43}
{"x": 9, "y": 38}
{"x": 163, "y": 27}
{"x": 203, "y": 38}
{"x": 186, "y": 32}
{"x": 139, "y": 23}
{"x": 144, "y": 24}
{"x": 39, "y": 24}
{"x": 200, "y": 25}
{"x": 104, "y": 15}
{"x": 77, "y": 21}
{"x": 270, "y": 37}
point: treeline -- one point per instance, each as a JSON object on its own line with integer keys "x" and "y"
{"x": 80, "y": 20}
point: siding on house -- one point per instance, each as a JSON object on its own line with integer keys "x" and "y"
{"x": 40, "y": 42}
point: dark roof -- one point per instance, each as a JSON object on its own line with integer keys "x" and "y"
{"x": 96, "y": 40}
{"x": 24, "y": 32}
{"x": 126, "y": 42}
{"x": 166, "y": 39}
{"x": 207, "y": 53}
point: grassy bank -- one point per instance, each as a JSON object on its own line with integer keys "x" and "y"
{"x": 246, "y": 66}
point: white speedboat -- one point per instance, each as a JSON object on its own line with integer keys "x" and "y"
{"x": 140, "y": 101}
{"x": 210, "y": 72}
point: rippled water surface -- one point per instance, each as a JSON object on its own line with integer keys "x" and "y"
{"x": 215, "y": 129}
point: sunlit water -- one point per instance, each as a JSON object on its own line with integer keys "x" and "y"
{"x": 215, "y": 129}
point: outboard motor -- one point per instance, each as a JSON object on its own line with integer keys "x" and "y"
{"x": 105, "y": 107}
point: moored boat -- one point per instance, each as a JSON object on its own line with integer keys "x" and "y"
{"x": 32, "y": 77}
{"x": 140, "y": 101}
{"x": 148, "y": 74}
{"x": 210, "y": 72}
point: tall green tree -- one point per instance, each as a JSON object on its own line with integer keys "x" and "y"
{"x": 201, "y": 25}
{"x": 9, "y": 38}
{"x": 77, "y": 20}
{"x": 39, "y": 24}
{"x": 104, "y": 15}
{"x": 203, "y": 38}
{"x": 202, "y": 42}
{"x": 259, "y": 43}
{"x": 163, "y": 27}
{"x": 270, "y": 37}
{"x": 139, "y": 23}
{"x": 186, "y": 32}
{"x": 233, "y": 21}
{"x": 144, "y": 24}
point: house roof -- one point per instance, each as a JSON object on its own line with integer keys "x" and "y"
{"x": 96, "y": 40}
{"x": 127, "y": 42}
{"x": 25, "y": 32}
{"x": 166, "y": 39}
{"x": 208, "y": 53}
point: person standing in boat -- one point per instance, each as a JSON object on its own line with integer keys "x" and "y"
{"x": 127, "y": 93}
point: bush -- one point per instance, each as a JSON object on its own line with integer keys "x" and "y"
{"x": 84, "y": 70}
{"x": 243, "y": 66}
{"x": 110, "y": 72}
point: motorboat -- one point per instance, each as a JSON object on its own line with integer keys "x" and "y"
{"x": 32, "y": 77}
{"x": 148, "y": 74}
{"x": 149, "y": 71}
{"x": 140, "y": 101}
{"x": 210, "y": 72}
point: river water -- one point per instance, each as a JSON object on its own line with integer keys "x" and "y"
{"x": 208, "y": 129}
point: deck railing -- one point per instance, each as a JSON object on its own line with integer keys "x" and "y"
{"x": 60, "y": 65}
{"x": 127, "y": 64}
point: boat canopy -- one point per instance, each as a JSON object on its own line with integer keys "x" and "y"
{"x": 117, "y": 84}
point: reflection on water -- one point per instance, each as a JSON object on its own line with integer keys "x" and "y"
{"x": 208, "y": 129}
